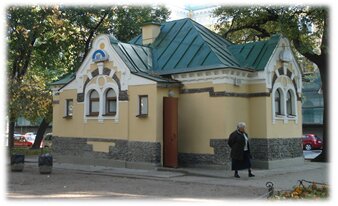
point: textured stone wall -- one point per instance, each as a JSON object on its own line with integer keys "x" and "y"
{"x": 261, "y": 149}
{"x": 144, "y": 152}
{"x": 276, "y": 148}
{"x": 221, "y": 151}
{"x": 150, "y": 152}
{"x": 131, "y": 151}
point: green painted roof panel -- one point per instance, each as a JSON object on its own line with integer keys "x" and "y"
{"x": 185, "y": 44}
{"x": 255, "y": 55}
{"x": 185, "y": 39}
{"x": 138, "y": 59}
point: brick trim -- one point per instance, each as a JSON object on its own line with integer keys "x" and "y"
{"x": 212, "y": 93}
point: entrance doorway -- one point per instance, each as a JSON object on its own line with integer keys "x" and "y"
{"x": 170, "y": 132}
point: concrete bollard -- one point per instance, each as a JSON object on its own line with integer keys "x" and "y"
{"x": 17, "y": 162}
{"x": 45, "y": 163}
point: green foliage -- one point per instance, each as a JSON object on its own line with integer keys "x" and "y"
{"x": 129, "y": 20}
{"x": 29, "y": 151}
{"x": 30, "y": 98}
{"x": 305, "y": 26}
{"x": 45, "y": 43}
{"x": 124, "y": 22}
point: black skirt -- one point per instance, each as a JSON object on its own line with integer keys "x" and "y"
{"x": 242, "y": 164}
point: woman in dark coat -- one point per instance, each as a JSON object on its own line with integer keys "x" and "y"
{"x": 240, "y": 150}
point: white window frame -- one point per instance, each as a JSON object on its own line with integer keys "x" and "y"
{"x": 66, "y": 109}
{"x": 106, "y": 106}
{"x": 284, "y": 89}
{"x": 102, "y": 102}
{"x": 280, "y": 101}
{"x": 140, "y": 106}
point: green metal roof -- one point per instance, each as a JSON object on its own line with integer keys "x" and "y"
{"x": 255, "y": 55}
{"x": 139, "y": 61}
{"x": 186, "y": 46}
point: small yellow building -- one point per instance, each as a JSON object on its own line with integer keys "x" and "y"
{"x": 171, "y": 97}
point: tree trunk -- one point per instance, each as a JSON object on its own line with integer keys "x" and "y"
{"x": 39, "y": 135}
{"x": 11, "y": 135}
{"x": 324, "y": 156}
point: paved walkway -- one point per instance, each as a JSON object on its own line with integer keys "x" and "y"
{"x": 282, "y": 178}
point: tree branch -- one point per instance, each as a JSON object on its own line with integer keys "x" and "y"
{"x": 91, "y": 34}
{"x": 254, "y": 24}
{"x": 27, "y": 57}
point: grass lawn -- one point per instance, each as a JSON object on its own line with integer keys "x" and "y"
{"x": 29, "y": 152}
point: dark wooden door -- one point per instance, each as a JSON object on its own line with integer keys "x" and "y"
{"x": 170, "y": 130}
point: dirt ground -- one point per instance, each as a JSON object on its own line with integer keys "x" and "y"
{"x": 73, "y": 184}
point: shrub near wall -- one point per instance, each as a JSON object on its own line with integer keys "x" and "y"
{"x": 312, "y": 191}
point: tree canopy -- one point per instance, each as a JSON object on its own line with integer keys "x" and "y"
{"x": 46, "y": 42}
{"x": 305, "y": 26}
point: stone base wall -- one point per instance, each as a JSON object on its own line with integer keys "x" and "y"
{"x": 123, "y": 152}
{"x": 265, "y": 153}
{"x": 276, "y": 148}
{"x": 276, "y": 152}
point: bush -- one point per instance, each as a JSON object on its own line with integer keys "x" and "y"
{"x": 29, "y": 152}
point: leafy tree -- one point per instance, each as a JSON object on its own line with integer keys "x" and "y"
{"x": 129, "y": 20}
{"x": 125, "y": 22}
{"x": 31, "y": 44}
{"x": 45, "y": 43}
{"x": 304, "y": 26}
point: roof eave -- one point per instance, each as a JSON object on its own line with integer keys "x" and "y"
{"x": 221, "y": 66}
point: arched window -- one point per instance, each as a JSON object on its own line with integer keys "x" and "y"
{"x": 110, "y": 102}
{"x": 290, "y": 103}
{"x": 278, "y": 102}
{"x": 94, "y": 103}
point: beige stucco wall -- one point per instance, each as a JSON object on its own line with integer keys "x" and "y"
{"x": 142, "y": 128}
{"x": 257, "y": 126}
{"x": 202, "y": 117}
{"x": 77, "y": 127}
{"x": 279, "y": 129}
{"x": 128, "y": 126}
{"x": 67, "y": 127}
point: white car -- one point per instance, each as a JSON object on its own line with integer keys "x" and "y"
{"x": 30, "y": 137}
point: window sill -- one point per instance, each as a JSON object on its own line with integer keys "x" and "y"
{"x": 92, "y": 115}
{"x": 68, "y": 117}
{"x": 109, "y": 115}
{"x": 285, "y": 117}
{"x": 142, "y": 115}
